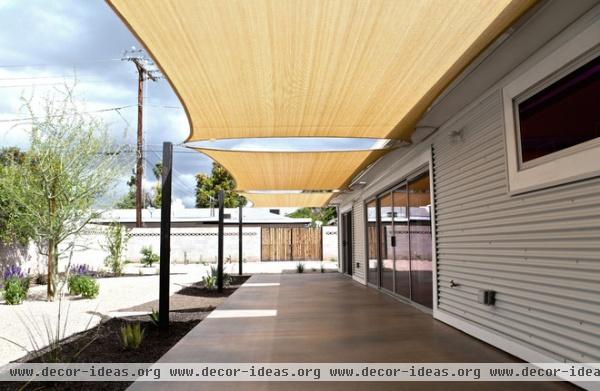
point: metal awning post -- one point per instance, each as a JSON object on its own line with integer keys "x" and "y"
{"x": 165, "y": 237}
{"x": 240, "y": 241}
{"x": 220, "y": 239}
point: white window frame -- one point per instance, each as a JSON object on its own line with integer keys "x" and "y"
{"x": 571, "y": 164}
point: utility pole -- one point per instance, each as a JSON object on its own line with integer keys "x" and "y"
{"x": 141, "y": 63}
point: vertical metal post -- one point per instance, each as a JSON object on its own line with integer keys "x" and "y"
{"x": 240, "y": 241}
{"x": 139, "y": 165}
{"x": 220, "y": 239}
{"x": 165, "y": 237}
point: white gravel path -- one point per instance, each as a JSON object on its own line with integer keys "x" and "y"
{"x": 115, "y": 294}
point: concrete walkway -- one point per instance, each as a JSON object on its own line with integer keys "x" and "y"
{"x": 328, "y": 318}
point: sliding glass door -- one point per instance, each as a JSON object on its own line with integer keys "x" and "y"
{"x": 399, "y": 240}
{"x": 386, "y": 241}
{"x": 421, "y": 260}
{"x": 401, "y": 248}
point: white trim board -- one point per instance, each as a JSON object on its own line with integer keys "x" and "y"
{"x": 564, "y": 167}
{"x": 502, "y": 343}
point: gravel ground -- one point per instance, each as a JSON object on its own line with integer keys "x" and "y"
{"x": 24, "y": 322}
{"x": 115, "y": 293}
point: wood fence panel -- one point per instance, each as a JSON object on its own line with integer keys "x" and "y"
{"x": 307, "y": 244}
{"x": 291, "y": 244}
{"x": 275, "y": 243}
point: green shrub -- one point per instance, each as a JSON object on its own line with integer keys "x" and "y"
{"x": 15, "y": 290}
{"x": 132, "y": 336}
{"x": 85, "y": 286}
{"x": 149, "y": 257}
{"x": 300, "y": 267}
{"x": 116, "y": 244}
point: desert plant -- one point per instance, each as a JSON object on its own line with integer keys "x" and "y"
{"x": 13, "y": 271}
{"x": 80, "y": 270}
{"x": 117, "y": 237}
{"x": 149, "y": 257}
{"x": 16, "y": 285}
{"x": 155, "y": 317}
{"x": 226, "y": 276}
{"x": 68, "y": 167}
{"x": 132, "y": 336}
{"x": 75, "y": 274}
{"x": 209, "y": 282}
{"x": 86, "y": 286}
{"x": 300, "y": 267}
{"x": 15, "y": 290}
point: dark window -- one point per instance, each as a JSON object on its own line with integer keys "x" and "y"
{"x": 274, "y": 211}
{"x": 562, "y": 115}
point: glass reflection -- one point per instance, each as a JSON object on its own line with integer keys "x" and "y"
{"x": 386, "y": 250}
{"x": 421, "y": 260}
{"x": 372, "y": 269}
{"x": 401, "y": 251}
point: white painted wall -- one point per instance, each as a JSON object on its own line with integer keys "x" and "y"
{"x": 330, "y": 243}
{"x": 192, "y": 245}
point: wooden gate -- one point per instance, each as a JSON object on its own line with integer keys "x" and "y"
{"x": 291, "y": 244}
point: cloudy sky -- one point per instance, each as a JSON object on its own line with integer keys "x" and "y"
{"x": 43, "y": 43}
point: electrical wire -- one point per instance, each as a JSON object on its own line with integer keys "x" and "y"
{"x": 61, "y": 65}
{"x": 67, "y": 115}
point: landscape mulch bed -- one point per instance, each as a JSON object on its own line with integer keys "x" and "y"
{"x": 189, "y": 306}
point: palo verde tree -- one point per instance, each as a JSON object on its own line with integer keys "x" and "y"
{"x": 208, "y": 186}
{"x": 11, "y": 231}
{"x": 69, "y": 165}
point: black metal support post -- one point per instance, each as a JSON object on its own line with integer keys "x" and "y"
{"x": 220, "y": 238}
{"x": 165, "y": 237}
{"x": 240, "y": 242}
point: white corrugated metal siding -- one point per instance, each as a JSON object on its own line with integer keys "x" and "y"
{"x": 539, "y": 251}
{"x": 358, "y": 240}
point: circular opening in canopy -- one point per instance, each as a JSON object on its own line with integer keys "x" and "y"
{"x": 292, "y": 144}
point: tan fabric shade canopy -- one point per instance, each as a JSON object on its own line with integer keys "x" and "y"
{"x": 308, "y": 68}
{"x": 288, "y": 200}
{"x": 292, "y": 170}
{"x": 335, "y": 68}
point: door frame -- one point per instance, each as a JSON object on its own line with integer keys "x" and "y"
{"x": 347, "y": 243}
{"x": 389, "y": 179}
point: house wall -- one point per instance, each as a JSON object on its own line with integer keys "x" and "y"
{"x": 330, "y": 242}
{"x": 540, "y": 251}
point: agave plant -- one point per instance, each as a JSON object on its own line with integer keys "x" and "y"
{"x": 132, "y": 336}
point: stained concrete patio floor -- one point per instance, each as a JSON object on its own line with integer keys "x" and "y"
{"x": 330, "y": 318}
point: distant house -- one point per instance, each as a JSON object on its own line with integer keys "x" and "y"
{"x": 201, "y": 217}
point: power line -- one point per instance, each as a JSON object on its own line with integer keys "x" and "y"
{"x": 57, "y": 65}
{"x": 174, "y": 178}
{"x": 66, "y": 115}
{"x": 77, "y": 81}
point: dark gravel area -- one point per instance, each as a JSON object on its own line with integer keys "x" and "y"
{"x": 102, "y": 343}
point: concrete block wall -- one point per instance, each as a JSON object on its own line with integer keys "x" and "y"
{"x": 191, "y": 245}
